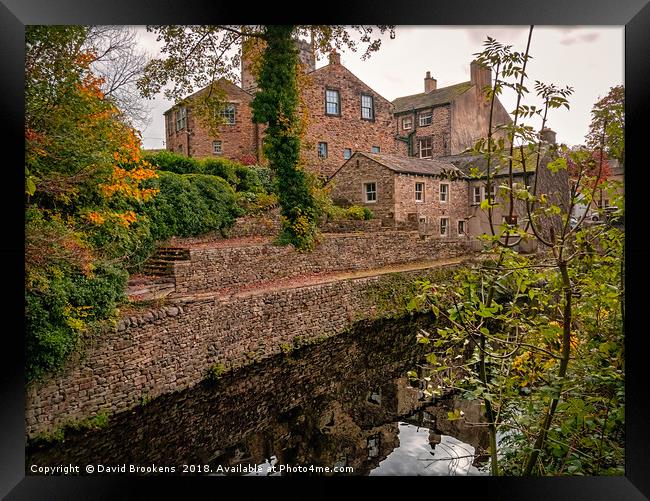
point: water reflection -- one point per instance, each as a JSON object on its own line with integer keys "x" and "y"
{"x": 344, "y": 403}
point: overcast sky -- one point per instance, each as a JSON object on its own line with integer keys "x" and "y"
{"x": 587, "y": 58}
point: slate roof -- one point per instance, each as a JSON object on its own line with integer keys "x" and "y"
{"x": 222, "y": 83}
{"x": 443, "y": 95}
{"x": 467, "y": 162}
{"x": 412, "y": 165}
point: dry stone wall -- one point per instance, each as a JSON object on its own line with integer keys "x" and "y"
{"x": 217, "y": 267}
{"x": 174, "y": 348}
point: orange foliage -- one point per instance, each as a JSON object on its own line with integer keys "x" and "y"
{"x": 95, "y": 218}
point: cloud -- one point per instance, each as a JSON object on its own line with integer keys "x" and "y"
{"x": 504, "y": 35}
{"x": 586, "y": 37}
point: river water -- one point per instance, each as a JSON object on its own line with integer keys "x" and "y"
{"x": 345, "y": 402}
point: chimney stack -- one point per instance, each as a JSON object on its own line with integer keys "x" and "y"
{"x": 547, "y": 135}
{"x": 481, "y": 76}
{"x": 335, "y": 57}
{"x": 429, "y": 83}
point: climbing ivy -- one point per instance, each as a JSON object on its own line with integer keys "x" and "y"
{"x": 276, "y": 104}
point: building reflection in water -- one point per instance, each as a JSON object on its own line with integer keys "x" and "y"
{"x": 344, "y": 402}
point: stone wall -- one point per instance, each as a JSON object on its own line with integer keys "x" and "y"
{"x": 239, "y": 141}
{"x": 174, "y": 348}
{"x": 348, "y": 129}
{"x": 431, "y": 208}
{"x": 438, "y": 130}
{"x": 217, "y": 267}
{"x": 351, "y": 226}
{"x": 347, "y": 186}
{"x": 302, "y": 389}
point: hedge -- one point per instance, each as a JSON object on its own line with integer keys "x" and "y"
{"x": 239, "y": 176}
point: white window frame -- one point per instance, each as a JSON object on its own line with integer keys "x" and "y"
{"x": 420, "y": 192}
{"x": 229, "y": 114}
{"x": 446, "y": 226}
{"x": 429, "y": 148}
{"x": 367, "y": 192}
{"x": 444, "y": 199}
{"x": 320, "y": 150}
{"x": 371, "y": 108}
{"x": 494, "y": 192}
{"x": 476, "y": 201}
{"x": 461, "y": 223}
{"x": 337, "y": 102}
{"x": 215, "y": 150}
{"x": 409, "y": 121}
{"x": 425, "y": 118}
{"x": 181, "y": 118}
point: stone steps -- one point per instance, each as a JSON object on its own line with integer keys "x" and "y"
{"x": 162, "y": 263}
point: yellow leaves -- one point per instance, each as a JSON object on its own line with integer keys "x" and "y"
{"x": 74, "y": 316}
{"x": 125, "y": 218}
{"x": 122, "y": 218}
{"x": 127, "y": 183}
{"x": 95, "y": 218}
{"x": 520, "y": 360}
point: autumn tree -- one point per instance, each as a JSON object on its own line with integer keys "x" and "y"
{"x": 82, "y": 162}
{"x": 195, "y": 57}
{"x": 542, "y": 333}
{"x": 607, "y": 125}
{"x": 119, "y": 62}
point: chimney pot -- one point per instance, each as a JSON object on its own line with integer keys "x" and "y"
{"x": 429, "y": 83}
{"x": 335, "y": 57}
{"x": 548, "y": 135}
{"x": 480, "y": 75}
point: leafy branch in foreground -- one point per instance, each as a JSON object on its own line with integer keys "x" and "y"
{"x": 547, "y": 366}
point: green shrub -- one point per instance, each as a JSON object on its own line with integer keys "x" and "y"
{"x": 248, "y": 180}
{"x": 189, "y": 205}
{"x": 221, "y": 167}
{"x": 173, "y": 162}
{"x": 355, "y": 212}
{"x": 266, "y": 177}
{"x": 64, "y": 305}
{"x": 254, "y": 203}
{"x": 240, "y": 177}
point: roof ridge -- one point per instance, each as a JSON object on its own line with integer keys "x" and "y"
{"x": 434, "y": 91}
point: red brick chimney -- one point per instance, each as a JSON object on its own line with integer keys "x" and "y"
{"x": 335, "y": 57}
{"x": 429, "y": 83}
{"x": 481, "y": 76}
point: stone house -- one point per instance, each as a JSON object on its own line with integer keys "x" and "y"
{"x": 555, "y": 186}
{"x": 447, "y": 120}
{"x": 344, "y": 115}
{"x": 400, "y": 189}
{"x": 444, "y": 193}
{"x": 238, "y": 138}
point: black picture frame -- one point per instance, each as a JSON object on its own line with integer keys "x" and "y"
{"x": 633, "y": 14}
